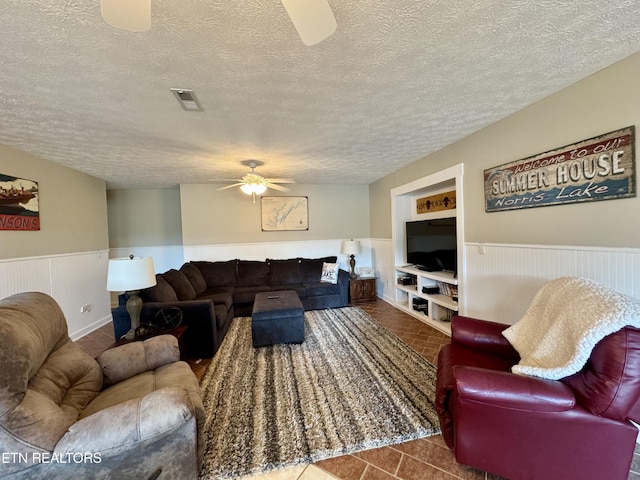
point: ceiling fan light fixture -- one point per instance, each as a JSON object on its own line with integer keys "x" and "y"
{"x": 253, "y": 188}
{"x": 132, "y": 15}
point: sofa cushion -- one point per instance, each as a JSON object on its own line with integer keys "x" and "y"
{"x": 219, "y": 296}
{"x": 252, "y": 273}
{"x": 218, "y": 274}
{"x": 321, "y": 288}
{"x": 195, "y": 277}
{"x": 160, "y": 292}
{"x": 248, "y": 294}
{"x": 296, "y": 287}
{"x": 180, "y": 284}
{"x": 311, "y": 268}
{"x": 221, "y": 315}
{"x": 285, "y": 272}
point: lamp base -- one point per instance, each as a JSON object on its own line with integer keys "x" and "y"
{"x": 352, "y": 262}
{"x": 134, "y": 307}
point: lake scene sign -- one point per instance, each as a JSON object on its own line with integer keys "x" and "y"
{"x": 19, "y": 206}
{"x": 599, "y": 168}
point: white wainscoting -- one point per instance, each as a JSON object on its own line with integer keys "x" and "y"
{"x": 74, "y": 280}
{"x": 502, "y": 279}
{"x": 164, "y": 257}
{"x": 382, "y": 256}
{"x": 500, "y": 283}
{"x": 279, "y": 250}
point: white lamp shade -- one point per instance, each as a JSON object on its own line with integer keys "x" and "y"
{"x": 128, "y": 274}
{"x": 351, "y": 247}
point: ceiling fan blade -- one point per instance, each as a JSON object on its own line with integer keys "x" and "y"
{"x": 281, "y": 180}
{"x": 132, "y": 15}
{"x": 277, "y": 187}
{"x": 313, "y": 19}
{"x": 231, "y": 186}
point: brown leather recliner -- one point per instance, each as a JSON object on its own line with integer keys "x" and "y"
{"x": 524, "y": 427}
{"x": 135, "y": 413}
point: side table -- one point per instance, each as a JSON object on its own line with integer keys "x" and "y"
{"x": 177, "y": 332}
{"x": 362, "y": 289}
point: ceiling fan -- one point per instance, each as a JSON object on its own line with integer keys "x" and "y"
{"x": 254, "y": 184}
{"x": 313, "y": 19}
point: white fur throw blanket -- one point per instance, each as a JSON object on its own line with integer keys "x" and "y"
{"x": 566, "y": 319}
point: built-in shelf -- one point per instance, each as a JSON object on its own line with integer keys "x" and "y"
{"x": 440, "y": 307}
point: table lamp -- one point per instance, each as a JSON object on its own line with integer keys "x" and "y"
{"x": 352, "y": 248}
{"x": 131, "y": 274}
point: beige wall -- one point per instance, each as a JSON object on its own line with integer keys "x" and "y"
{"x": 147, "y": 217}
{"x": 73, "y": 211}
{"x": 211, "y": 216}
{"x": 606, "y": 101}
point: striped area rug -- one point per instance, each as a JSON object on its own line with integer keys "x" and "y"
{"x": 352, "y": 385}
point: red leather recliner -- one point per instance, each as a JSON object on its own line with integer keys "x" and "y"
{"x": 523, "y": 427}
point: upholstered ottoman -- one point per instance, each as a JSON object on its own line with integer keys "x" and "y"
{"x": 278, "y": 317}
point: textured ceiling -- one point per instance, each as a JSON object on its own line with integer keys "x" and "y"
{"x": 399, "y": 79}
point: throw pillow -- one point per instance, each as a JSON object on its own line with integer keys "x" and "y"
{"x": 329, "y": 273}
{"x": 180, "y": 283}
{"x": 311, "y": 268}
{"x": 195, "y": 277}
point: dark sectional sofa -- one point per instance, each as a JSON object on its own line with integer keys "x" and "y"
{"x": 211, "y": 294}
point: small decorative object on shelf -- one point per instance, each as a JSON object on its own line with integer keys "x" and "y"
{"x": 366, "y": 272}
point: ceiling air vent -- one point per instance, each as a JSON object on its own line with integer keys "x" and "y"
{"x": 187, "y": 99}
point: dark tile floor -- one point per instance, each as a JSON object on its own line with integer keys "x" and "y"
{"x": 424, "y": 459}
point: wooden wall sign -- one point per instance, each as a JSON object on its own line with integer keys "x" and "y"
{"x": 19, "y": 208}
{"x": 436, "y": 203}
{"x": 599, "y": 168}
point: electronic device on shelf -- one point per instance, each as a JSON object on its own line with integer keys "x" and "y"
{"x": 432, "y": 244}
{"x": 406, "y": 280}
{"x": 431, "y": 290}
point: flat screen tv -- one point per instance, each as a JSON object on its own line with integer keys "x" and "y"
{"x": 432, "y": 244}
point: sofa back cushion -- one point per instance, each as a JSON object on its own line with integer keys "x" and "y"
{"x": 252, "y": 273}
{"x": 160, "y": 292}
{"x": 285, "y": 272}
{"x": 195, "y": 277}
{"x": 218, "y": 274}
{"x": 45, "y": 379}
{"x": 180, "y": 284}
{"x": 311, "y": 268}
{"x": 609, "y": 384}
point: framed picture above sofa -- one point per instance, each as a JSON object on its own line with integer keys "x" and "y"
{"x": 284, "y": 213}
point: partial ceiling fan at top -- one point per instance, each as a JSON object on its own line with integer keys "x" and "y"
{"x": 253, "y": 184}
{"x": 313, "y": 19}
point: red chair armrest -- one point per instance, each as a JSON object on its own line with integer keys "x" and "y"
{"x": 482, "y": 335}
{"x": 504, "y": 389}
